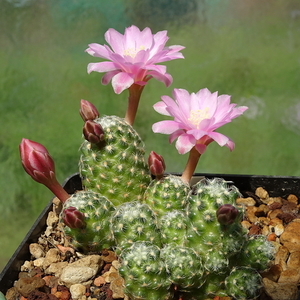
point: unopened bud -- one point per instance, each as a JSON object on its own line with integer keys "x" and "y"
{"x": 93, "y": 132}
{"x": 156, "y": 164}
{"x": 73, "y": 218}
{"x": 38, "y": 163}
{"x": 226, "y": 214}
{"x": 88, "y": 111}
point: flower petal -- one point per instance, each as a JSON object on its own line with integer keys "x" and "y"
{"x": 200, "y": 148}
{"x": 220, "y": 138}
{"x": 185, "y": 143}
{"x": 197, "y": 134}
{"x": 182, "y": 97}
{"x": 160, "y": 38}
{"x": 230, "y": 144}
{"x": 99, "y": 50}
{"x": 105, "y": 66}
{"x": 115, "y": 40}
{"x": 166, "y": 127}
{"x": 121, "y": 82}
{"x": 108, "y": 76}
{"x": 167, "y": 79}
{"x": 160, "y": 107}
{"x": 175, "y": 135}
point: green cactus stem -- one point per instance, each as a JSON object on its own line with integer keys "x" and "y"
{"x": 243, "y": 283}
{"x": 173, "y": 227}
{"x": 256, "y": 253}
{"x": 117, "y": 170}
{"x": 144, "y": 273}
{"x": 132, "y": 222}
{"x": 205, "y": 198}
{"x": 97, "y": 211}
{"x": 166, "y": 194}
{"x": 183, "y": 265}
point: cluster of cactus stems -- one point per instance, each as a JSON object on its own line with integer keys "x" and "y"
{"x": 170, "y": 237}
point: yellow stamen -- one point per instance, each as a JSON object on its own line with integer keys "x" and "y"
{"x": 133, "y": 51}
{"x": 197, "y": 115}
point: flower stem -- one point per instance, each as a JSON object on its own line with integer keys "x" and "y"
{"x": 58, "y": 191}
{"x": 135, "y": 92}
{"x": 191, "y": 165}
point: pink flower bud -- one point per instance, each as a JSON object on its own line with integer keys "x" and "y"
{"x": 88, "y": 111}
{"x": 73, "y": 218}
{"x": 156, "y": 164}
{"x": 38, "y": 163}
{"x": 93, "y": 132}
{"x": 226, "y": 214}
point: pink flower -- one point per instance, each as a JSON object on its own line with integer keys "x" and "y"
{"x": 133, "y": 57}
{"x": 196, "y": 117}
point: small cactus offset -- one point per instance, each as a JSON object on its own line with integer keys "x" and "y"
{"x": 145, "y": 273}
{"x": 208, "y": 228}
{"x": 116, "y": 167}
{"x": 166, "y": 194}
{"x": 214, "y": 286}
{"x": 243, "y": 283}
{"x": 184, "y": 266}
{"x": 132, "y": 222}
{"x": 256, "y": 253}
{"x": 173, "y": 227}
{"x": 87, "y": 217}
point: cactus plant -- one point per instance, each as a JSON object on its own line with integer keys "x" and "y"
{"x": 206, "y": 231}
{"x": 243, "y": 283}
{"x": 116, "y": 169}
{"x": 134, "y": 221}
{"x": 173, "y": 227}
{"x": 169, "y": 236}
{"x": 166, "y": 194}
{"x": 94, "y": 235}
{"x": 183, "y": 265}
{"x": 144, "y": 272}
{"x": 256, "y": 253}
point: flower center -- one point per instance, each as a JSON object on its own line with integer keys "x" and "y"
{"x": 133, "y": 51}
{"x": 197, "y": 115}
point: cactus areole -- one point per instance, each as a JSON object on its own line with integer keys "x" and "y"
{"x": 170, "y": 236}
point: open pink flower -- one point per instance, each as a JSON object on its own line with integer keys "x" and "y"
{"x": 133, "y": 57}
{"x": 196, "y": 117}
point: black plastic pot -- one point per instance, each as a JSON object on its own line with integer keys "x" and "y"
{"x": 247, "y": 184}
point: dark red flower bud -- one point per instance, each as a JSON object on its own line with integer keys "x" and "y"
{"x": 88, "y": 111}
{"x": 226, "y": 214}
{"x": 73, "y": 218}
{"x": 38, "y": 163}
{"x": 156, "y": 164}
{"x": 93, "y": 132}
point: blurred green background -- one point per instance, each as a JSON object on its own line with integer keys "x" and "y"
{"x": 249, "y": 49}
